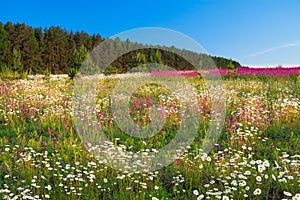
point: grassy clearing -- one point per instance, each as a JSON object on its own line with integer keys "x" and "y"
{"x": 256, "y": 157}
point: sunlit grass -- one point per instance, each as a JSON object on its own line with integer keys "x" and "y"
{"x": 257, "y": 155}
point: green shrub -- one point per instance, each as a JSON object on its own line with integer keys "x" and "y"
{"x": 7, "y": 73}
{"x": 47, "y": 74}
{"x": 72, "y": 73}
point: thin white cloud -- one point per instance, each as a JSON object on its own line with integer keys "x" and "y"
{"x": 274, "y": 49}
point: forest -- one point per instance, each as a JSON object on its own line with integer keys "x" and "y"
{"x": 55, "y": 50}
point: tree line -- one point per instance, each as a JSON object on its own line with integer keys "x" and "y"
{"x": 56, "y": 50}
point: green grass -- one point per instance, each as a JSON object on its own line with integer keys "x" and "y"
{"x": 42, "y": 156}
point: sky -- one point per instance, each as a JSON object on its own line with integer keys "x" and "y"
{"x": 256, "y": 33}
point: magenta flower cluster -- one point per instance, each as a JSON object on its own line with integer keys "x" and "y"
{"x": 243, "y": 71}
{"x": 279, "y": 72}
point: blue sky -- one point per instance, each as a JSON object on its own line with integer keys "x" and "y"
{"x": 253, "y": 32}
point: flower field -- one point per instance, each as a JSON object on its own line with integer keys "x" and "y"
{"x": 275, "y": 72}
{"x": 257, "y": 155}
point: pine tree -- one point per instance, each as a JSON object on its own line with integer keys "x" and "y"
{"x": 39, "y": 35}
{"x": 3, "y": 46}
{"x": 96, "y": 40}
{"x": 156, "y": 57}
{"x": 56, "y": 50}
{"x": 10, "y": 30}
{"x": 138, "y": 61}
{"x": 78, "y": 56}
{"x": 31, "y": 54}
{"x": 17, "y": 61}
{"x": 56, "y": 55}
{"x": 230, "y": 65}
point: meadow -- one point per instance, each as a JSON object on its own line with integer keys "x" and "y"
{"x": 257, "y": 155}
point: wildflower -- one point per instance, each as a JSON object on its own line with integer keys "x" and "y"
{"x": 266, "y": 163}
{"x": 177, "y": 163}
{"x": 195, "y": 192}
{"x": 266, "y": 176}
{"x": 273, "y": 176}
{"x": 48, "y": 187}
{"x": 257, "y": 192}
{"x": 296, "y": 197}
{"x": 225, "y": 197}
{"x": 154, "y": 198}
{"x": 242, "y": 183}
{"x": 261, "y": 168}
{"x": 247, "y": 172}
{"x": 201, "y": 196}
{"x": 258, "y": 179}
{"x": 25, "y": 191}
{"x": 287, "y": 194}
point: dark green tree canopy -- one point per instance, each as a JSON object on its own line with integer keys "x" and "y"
{"x": 3, "y": 45}
{"x": 57, "y": 50}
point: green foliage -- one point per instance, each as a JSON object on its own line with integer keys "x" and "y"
{"x": 58, "y": 50}
{"x": 138, "y": 59}
{"x": 72, "y": 73}
{"x": 46, "y": 74}
{"x": 223, "y": 63}
{"x": 17, "y": 61}
{"x": 81, "y": 58}
{"x": 78, "y": 56}
{"x": 51, "y": 48}
{"x": 89, "y": 67}
{"x": 156, "y": 57}
{"x": 200, "y": 65}
{"x": 16, "y": 70}
{"x": 40, "y": 147}
{"x": 111, "y": 70}
{"x": 3, "y": 45}
{"x": 7, "y": 73}
{"x": 230, "y": 65}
